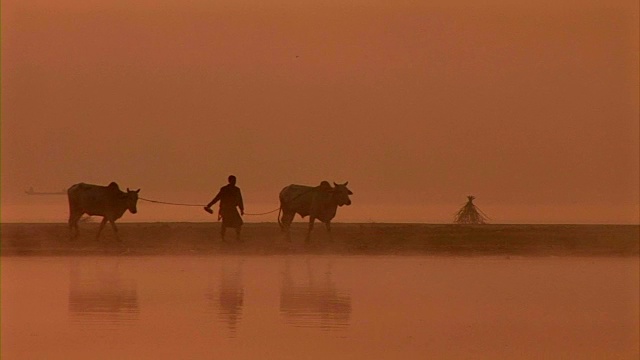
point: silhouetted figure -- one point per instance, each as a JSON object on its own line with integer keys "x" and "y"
{"x": 320, "y": 202}
{"x": 106, "y": 201}
{"x": 230, "y": 199}
{"x": 470, "y": 214}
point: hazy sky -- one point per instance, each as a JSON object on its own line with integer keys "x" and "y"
{"x": 533, "y": 107}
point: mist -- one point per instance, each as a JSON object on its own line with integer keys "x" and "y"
{"x": 533, "y": 109}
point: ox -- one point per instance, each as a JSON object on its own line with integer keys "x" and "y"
{"x": 320, "y": 202}
{"x": 106, "y": 201}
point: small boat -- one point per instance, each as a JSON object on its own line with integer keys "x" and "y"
{"x": 33, "y": 192}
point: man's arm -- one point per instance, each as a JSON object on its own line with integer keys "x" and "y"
{"x": 215, "y": 200}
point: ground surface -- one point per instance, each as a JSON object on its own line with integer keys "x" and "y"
{"x": 347, "y": 239}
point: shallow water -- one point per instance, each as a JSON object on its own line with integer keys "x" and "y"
{"x": 315, "y": 307}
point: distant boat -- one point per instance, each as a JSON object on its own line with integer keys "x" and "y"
{"x": 33, "y": 192}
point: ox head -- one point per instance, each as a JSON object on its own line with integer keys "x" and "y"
{"x": 341, "y": 194}
{"x": 131, "y": 198}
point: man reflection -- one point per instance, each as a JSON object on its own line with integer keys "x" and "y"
{"x": 230, "y": 296}
{"x": 315, "y": 302}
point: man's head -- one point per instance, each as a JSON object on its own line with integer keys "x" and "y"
{"x": 232, "y": 180}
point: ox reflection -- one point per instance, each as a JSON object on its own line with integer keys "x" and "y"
{"x": 313, "y": 300}
{"x": 98, "y": 292}
{"x": 229, "y": 296}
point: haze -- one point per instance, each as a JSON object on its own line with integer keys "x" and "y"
{"x": 531, "y": 107}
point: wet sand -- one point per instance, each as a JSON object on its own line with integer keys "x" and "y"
{"x": 346, "y": 239}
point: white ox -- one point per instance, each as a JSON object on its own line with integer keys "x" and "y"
{"x": 106, "y": 201}
{"x": 319, "y": 202}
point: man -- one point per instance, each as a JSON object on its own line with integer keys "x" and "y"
{"x": 230, "y": 197}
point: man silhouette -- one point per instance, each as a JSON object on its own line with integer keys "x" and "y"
{"x": 230, "y": 198}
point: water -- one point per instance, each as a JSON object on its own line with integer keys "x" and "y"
{"x": 315, "y": 307}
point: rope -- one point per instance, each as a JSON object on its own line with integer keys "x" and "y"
{"x": 180, "y": 204}
{"x": 168, "y": 203}
{"x": 264, "y": 213}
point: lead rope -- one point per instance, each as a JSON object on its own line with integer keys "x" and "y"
{"x": 181, "y": 204}
{"x": 168, "y": 203}
{"x": 264, "y": 213}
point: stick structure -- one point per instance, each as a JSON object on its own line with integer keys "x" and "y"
{"x": 470, "y": 214}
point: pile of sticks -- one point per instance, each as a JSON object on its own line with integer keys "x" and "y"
{"x": 470, "y": 214}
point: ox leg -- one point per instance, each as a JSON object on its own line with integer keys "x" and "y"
{"x": 104, "y": 221}
{"x": 286, "y": 220}
{"x": 73, "y": 225}
{"x": 311, "y": 222}
{"x": 328, "y": 226}
{"x": 115, "y": 229}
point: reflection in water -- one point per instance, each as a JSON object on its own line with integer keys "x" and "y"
{"x": 98, "y": 292}
{"x": 315, "y": 301}
{"x": 434, "y": 307}
{"x": 229, "y": 297}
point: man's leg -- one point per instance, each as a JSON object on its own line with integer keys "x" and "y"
{"x": 223, "y": 230}
{"x": 238, "y": 233}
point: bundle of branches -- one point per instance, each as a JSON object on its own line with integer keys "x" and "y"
{"x": 470, "y": 214}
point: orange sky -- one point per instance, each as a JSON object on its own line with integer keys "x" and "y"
{"x": 532, "y": 108}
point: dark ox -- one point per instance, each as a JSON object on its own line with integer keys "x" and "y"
{"x": 106, "y": 201}
{"x": 320, "y": 202}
